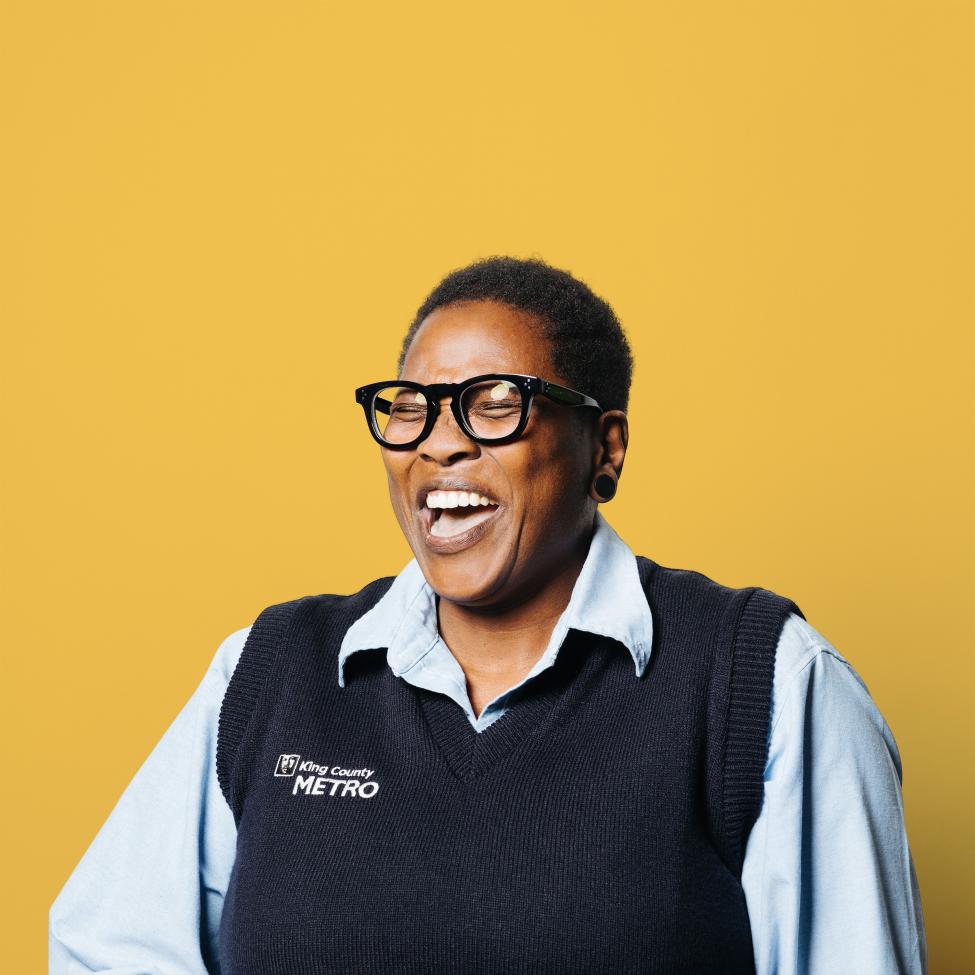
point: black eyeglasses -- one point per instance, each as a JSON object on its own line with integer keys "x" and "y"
{"x": 490, "y": 409}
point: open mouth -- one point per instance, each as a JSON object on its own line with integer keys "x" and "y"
{"x": 456, "y": 515}
{"x": 448, "y": 522}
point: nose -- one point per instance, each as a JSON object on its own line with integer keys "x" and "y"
{"x": 447, "y": 443}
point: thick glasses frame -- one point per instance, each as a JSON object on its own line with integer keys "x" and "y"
{"x": 529, "y": 387}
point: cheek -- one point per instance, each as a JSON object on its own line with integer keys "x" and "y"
{"x": 554, "y": 478}
{"x": 396, "y": 478}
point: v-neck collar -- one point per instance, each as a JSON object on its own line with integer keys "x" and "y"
{"x": 470, "y": 753}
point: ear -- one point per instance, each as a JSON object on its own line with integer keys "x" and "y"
{"x": 612, "y": 436}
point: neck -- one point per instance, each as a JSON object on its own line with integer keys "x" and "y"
{"x": 497, "y": 647}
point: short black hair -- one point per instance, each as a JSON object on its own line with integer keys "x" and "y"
{"x": 589, "y": 347}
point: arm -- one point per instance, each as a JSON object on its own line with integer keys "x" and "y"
{"x": 828, "y": 874}
{"x": 147, "y": 895}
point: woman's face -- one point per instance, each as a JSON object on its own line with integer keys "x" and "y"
{"x": 541, "y": 481}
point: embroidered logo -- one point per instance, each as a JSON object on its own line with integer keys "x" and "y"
{"x": 322, "y": 780}
{"x": 287, "y": 765}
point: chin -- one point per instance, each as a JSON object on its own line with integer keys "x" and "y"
{"x": 464, "y": 577}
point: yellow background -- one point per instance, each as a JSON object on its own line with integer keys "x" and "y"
{"x": 218, "y": 220}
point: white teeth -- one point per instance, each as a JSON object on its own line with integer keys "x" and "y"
{"x": 457, "y": 499}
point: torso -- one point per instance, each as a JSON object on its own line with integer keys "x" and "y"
{"x": 575, "y": 833}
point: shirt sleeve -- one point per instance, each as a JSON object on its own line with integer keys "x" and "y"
{"x": 828, "y": 875}
{"x": 147, "y": 895}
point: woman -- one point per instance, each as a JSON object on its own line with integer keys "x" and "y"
{"x": 531, "y": 750}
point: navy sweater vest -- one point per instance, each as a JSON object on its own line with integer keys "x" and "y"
{"x": 599, "y": 825}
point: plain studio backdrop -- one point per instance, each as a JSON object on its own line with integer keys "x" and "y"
{"x": 218, "y": 219}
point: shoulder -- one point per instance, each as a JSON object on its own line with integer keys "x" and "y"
{"x": 667, "y": 578}
{"x": 225, "y": 660}
{"x": 691, "y": 597}
{"x": 804, "y": 654}
{"x": 819, "y": 699}
{"x": 694, "y": 582}
{"x": 279, "y": 621}
{"x": 800, "y": 644}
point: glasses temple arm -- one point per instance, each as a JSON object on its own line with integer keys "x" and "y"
{"x": 569, "y": 397}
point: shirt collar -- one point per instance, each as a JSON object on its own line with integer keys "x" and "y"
{"x": 607, "y": 600}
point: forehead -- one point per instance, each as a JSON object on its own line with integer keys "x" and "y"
{"x": 474, "y": 337}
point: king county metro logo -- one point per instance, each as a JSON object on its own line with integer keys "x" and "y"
{"x": 334, "y": 781}
{"x": 287, "y": 764}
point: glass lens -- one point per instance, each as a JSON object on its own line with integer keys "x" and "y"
{"x": 400, "y": 413}
{"x": 492, "y": 408}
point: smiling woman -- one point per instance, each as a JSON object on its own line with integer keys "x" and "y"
{"x": 576, "y": 759}
{"x": 539, "y": 461}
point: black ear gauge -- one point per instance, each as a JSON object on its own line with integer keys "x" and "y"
{"x": 605, "y": 486}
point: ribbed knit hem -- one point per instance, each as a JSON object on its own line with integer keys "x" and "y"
{"x": 265, "y": 639}
{"x": 749, "y": 710}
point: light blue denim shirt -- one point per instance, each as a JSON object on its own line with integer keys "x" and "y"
{"x": 828, "y": 876}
